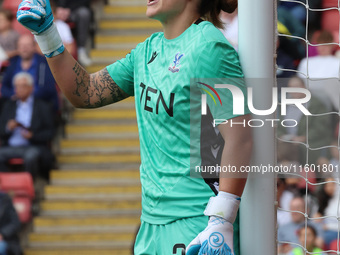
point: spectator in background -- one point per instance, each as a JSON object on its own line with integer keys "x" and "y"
{"x": 319, "y": 127}
{"x": 289, "y": 25}
{"x": 79, "y": 12}
{"x": 328, "y": 206}
{"x": 289, "y": 231}
{"x": 64, "y": 31}
{"x": 26, "y": 127}
{"x": 321, "y": 68}
{"x": 31, "y": 62}
{"x": 284, "y": 197}
{"x": 8, "y": 36}
{"x": 298, "y": 10}
{"x": 284, "y": 62}
{"x": 9, "y": 226}
{"x": 307, "y": 236}
{"x": 333, "y": 162}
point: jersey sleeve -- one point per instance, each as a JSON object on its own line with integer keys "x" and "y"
{"x": 122, "y": 72}
{"x": 219, "y": 63}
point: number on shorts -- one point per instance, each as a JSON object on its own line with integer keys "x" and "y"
{"x": 179, "y": 246}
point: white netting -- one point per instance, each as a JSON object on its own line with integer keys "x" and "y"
{"x": 310, "y": 214}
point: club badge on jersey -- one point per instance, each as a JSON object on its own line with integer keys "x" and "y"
{"x": 175, "y": 65}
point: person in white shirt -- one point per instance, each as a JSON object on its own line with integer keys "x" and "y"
{"x": 323, "y": 71}
{"x": 64, "y": 31}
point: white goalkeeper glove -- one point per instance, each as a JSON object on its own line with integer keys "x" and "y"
{"x": 217, "y": 238}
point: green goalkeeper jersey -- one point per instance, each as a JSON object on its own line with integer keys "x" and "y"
{"x": 159, "y": 73}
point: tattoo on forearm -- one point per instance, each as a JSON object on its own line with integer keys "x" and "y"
{"x": 116, "y": 94}
{"x": 97, "y": 89}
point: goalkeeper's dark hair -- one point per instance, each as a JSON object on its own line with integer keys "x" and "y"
{"x": 210, "y": 10}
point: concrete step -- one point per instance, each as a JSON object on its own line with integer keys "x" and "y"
{"x": 79, "y": 251}
{"x": 114, "y": 10}
{"x": 141, "y": 25}
{"x": 101, "y": 63}
{"x": 108, "y": 135}
{"x": 100, "y": 114}
{"x": 86, "y": 166}
{"x": 97, "y": 159}
{"x": 125, "y": 12}
{"x": 127, "y": 2}
{"x": 126, "y": 104}
{"x": 99, "y": 122}
{"x": 37, "y": 237}
{"x": 116, "y": 46}
{"x": 73, "y": 143}
{"x": 81, "y": 208}
{"x": 107, "y": 240}
{"x": 96, "y": 67}
{"x": 95, "y": 129}
{"x": 95, "y": 177}
{"x": 86, "y": 224}
{"x": 99, "y": 146}
{"x": 119, "y": 42}
{"x": 109, "y": 54}
{"x": 99, "y": 151}
{"x": 97, "y": 193}
{"x": 127, "y": 32}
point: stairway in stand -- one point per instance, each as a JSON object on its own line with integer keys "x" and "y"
{"x": 92, "y": 205}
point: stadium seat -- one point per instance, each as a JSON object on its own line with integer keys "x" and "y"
{"x": 16, "y": 161}
{"x": 20, "y": 187}
{"x": 16, "y": 164}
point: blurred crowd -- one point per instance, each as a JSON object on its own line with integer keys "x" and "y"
{"x": 31, "y": 108}
{"x": 30, "y": 101}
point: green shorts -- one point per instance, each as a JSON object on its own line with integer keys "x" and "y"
{"x": 172, "y": 238}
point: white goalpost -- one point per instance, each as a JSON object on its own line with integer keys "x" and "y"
{"x": 257, "y": 50}
{"x": 257, "y": 26}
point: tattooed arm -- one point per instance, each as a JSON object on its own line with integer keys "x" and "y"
{"x": 82, "y": 89}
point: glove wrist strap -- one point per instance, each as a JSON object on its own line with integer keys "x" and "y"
{"x": 50, "y": 42}
{"x": 223, "y": 207}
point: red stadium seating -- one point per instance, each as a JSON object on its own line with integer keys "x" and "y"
{"x": 20, "y": 187}
{"x": 16, "y": 161}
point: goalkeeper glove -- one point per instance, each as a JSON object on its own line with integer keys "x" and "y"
{"x": 217, "y": 238}
{"x": 36, "y": 15}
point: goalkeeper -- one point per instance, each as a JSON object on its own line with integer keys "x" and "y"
{"x": 175, "y": 208}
